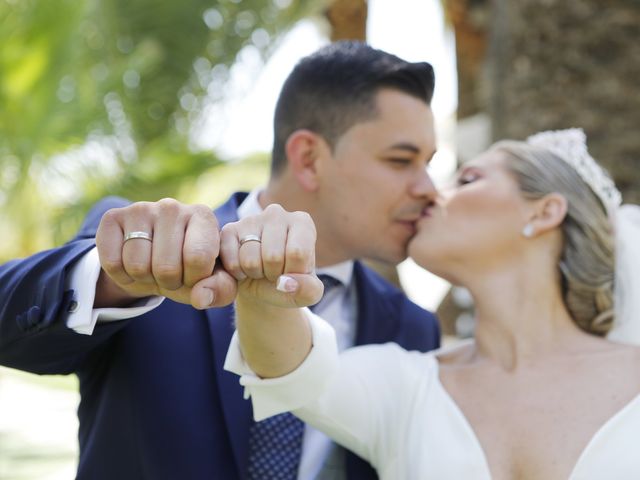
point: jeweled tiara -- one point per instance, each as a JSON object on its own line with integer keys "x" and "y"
{"x": 571, "y": 146}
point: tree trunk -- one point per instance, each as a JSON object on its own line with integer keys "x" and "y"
{"x": 571, "y": 64}
{"x": 470, "y": 21}
{"x": 348, "y": 20}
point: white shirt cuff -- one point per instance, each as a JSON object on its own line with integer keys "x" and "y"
{"x": 271, "y": 396}
{"x": 82, "y": 279}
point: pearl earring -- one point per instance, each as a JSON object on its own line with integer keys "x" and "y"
{"x": 528, "y": 230}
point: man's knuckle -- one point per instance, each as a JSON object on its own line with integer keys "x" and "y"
{"x": 232, "y": 265}
{"x": 110, "y": 265}
{"x": 169, "y": 207}
{"x": 168, "y": 202}
{"x": 204, "y": 211}
{"x": 111, "y": 215}
{"x": 198, "y": 257}
{"x": 138, "y": 208}
{"x": 138, "y": 269}
{"x": 167, "y": 271}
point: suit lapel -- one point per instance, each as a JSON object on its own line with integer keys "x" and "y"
{"x": 236, "y": 410}
{"x": 378, "y": 321}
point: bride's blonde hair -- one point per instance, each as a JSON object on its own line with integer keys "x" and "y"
{"x": 587, "y": 263}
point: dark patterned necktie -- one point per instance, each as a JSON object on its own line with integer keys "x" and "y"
{"x": 275, "y": 444}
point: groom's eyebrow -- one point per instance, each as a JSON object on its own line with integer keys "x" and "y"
{"x": 409, "y": 147}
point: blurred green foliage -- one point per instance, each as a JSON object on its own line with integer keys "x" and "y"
{"x": 98, "y": 97}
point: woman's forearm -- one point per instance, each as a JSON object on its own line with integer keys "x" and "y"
{"x": 274, "y": 340}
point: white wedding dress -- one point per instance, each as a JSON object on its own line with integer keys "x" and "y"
{"x": 388, "y": 406}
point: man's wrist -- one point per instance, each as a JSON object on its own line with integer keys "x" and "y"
{"x": 110, "y": 295}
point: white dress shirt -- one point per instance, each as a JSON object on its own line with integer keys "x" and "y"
{"x": 321, "y": 458}
{"x": 82, "y": 279}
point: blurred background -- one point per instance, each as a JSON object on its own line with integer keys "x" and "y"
{"x": 153, "y": 98}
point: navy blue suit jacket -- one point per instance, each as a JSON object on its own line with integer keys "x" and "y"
{"x": 155, "y": 400}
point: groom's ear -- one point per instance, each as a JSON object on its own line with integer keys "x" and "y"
{"x": 304, "y": 149}
{"x": 549, "y": 212}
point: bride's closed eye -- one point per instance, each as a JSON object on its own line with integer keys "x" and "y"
{"x": 466, "y": 178}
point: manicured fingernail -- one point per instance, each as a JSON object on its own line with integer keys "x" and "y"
{"x": 286, "y": 284}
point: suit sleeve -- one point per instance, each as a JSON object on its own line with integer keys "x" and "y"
{"x": 33, "y": 306}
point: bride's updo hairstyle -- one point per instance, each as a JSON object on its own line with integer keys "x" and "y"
{"x": 587, "y": 262}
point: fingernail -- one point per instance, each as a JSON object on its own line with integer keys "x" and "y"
{"x": 208, "y": 296}
{"x": 286, "y": 284}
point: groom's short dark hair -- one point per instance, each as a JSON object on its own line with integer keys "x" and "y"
{"x": 334, "y": 88}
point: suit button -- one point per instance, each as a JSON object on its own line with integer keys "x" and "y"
{"x": 29, "y": 319}
{"x": 33, "y": 316}
{"x": 73, "y": 306}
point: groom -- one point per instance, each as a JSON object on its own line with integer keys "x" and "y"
{"x": 353, "y": 134}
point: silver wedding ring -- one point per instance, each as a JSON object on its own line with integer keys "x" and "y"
{"x": 142, "y": 235}
{"x": 250, "y": 238}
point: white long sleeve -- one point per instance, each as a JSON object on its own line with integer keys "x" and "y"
{"x": 277, "y": 395}
{"x": 82, "y": 279}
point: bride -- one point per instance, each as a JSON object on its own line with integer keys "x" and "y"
{"x": 540, "y": 393}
